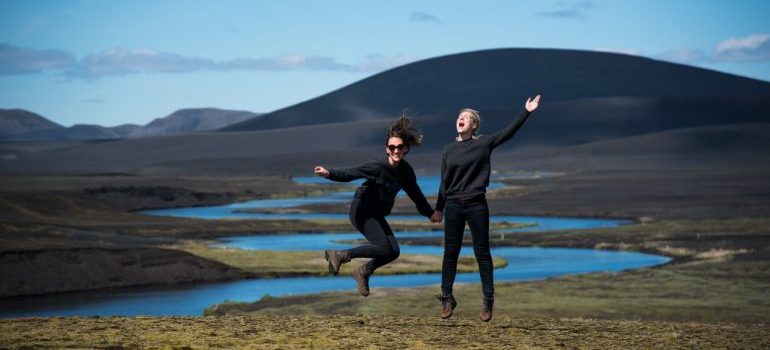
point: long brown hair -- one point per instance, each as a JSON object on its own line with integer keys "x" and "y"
{"x": 402, "y": 128}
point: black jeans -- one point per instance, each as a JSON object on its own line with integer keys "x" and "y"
{"x": 475, "y": 213}
{"x": 382, "y": 247}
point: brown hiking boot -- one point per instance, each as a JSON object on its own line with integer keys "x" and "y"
{"x": 448, "y": 305}
{"x": 361, "y": 274}
{"x": 336, "y": 258}
{"x": 486, "y": 310}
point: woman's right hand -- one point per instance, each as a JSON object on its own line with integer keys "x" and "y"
{"x": 436, "y": 217}
{"x": 321, "y": 171}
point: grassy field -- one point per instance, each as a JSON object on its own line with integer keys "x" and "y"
{"x": 373, "y": 332}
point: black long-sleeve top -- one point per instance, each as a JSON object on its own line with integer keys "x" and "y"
{"x": 382, "y": 184}
{"x": 465, "y": 165}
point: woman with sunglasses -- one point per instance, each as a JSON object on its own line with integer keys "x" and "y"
{"x": 465, "y": 169}
{"x": 374, "y": 200}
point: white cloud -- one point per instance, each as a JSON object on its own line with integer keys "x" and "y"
{"x": 625, "y": 51}
{"x": 752, "y": 48}
{"x": 121, "y": 61}
{"x": 380, "y": 62}
{"x": 17, "y": 60}
{"x": 569, "y": 10}
{"x": 687, "y": 56}
{"x": 124, "y": 61}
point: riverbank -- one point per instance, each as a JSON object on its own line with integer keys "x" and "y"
{"x": 361, "y": 331}
{"x": 720, "y": 273}
{"x": 67, "y": 214}
{"x": 75, "y": 233}
{"x": 268, "y": 264}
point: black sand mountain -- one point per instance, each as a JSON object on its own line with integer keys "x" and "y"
{"x": 19, "y": 121}
{"x": 589, "y": 99}
{"x": 194, "y": 119}
{"x": 500, "y": 79}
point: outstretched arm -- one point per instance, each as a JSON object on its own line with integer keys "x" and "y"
{"x": 368, "y": 170}
{"x": 506, "y": 134}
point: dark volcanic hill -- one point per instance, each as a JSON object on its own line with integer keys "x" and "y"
{"x": 189, "y": 120}
{"x": 599, "y": 110}
{"x": 19, "y": 121}
{"x": 502, "y": 79}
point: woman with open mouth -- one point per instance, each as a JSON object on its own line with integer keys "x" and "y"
{"x": 465, "y": 170}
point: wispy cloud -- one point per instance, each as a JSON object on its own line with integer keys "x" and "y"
{"x": 125, "y": 61}
{"x": 625, "y": 51}
{"x": 683, "y": 56}
{"x": 381, "y": 62}
{"x": 569, "y": 10}
{"x": 423, "y": 17}
{"x": 17, "y": 60}
{"x": 94, "y": 100}
{"x": 753, "y": 48}
{"x": 121, "y": 61}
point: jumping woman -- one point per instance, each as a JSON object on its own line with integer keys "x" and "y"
{"x": 465, "y": 169}
{"x": 374, "y": 200}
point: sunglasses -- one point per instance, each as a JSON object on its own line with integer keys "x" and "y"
{"x": 393, "y": 148}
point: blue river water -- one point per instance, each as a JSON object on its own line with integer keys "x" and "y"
{"x": 527, "y": 263}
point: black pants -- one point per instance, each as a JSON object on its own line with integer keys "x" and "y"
{"x": 382, "y": 247}
{"x": 475, "y": 213}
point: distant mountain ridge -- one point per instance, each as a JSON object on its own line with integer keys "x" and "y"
{"x": 21, "y": 125}
{"x": 192, "y": 119}
{"x": 502, "y": 79}
{"x": 19, "y": 121}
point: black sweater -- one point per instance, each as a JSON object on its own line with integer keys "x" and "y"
{"x": 382, "y": 184}
{"x": 465, "y": 166}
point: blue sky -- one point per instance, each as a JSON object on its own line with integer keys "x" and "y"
{"x": 116, "y": 62}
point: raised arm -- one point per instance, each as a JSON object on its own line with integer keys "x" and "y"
{"x": 507, "y": 133}
{"x": 368, "y": 170}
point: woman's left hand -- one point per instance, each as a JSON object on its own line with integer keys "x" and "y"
{"x": 321, "y": 171}
{"x": 531, "y": 104}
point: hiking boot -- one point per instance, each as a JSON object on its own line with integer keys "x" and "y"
{"x": 448, "y": 305}
{"x": 336, "y": 258}
{"x": 486, "y": 310}
{"x": 361, "y": 274}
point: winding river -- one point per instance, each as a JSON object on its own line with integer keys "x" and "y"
{"x": 527, "y": 263}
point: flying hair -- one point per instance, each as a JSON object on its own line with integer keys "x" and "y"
{"x": 403, "y": 129}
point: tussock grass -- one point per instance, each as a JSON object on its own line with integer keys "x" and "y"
{"x": 265, "y": 263}
{"x": 372, "y": 332}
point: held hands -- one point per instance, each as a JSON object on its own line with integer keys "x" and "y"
{"x": 321, "y": 171}
{"x": 531, "y": 104}
{"x": 436, "y": 217}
